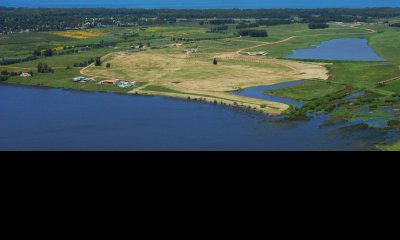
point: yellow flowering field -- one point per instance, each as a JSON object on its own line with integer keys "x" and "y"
{"x": 77, "y": 34}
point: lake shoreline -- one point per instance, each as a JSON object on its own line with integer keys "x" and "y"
{"x": 269, "y": 111}
{"x": 79, "y": 122}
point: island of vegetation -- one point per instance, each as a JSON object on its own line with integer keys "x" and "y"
{"x": 205, "y": 55}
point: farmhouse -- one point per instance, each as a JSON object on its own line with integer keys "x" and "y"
{"x": 124, "y": 84}
{"x": 191, "y": 50}
{"x": 79, "y": 79}
{"x": 139, "y": 47}
{"x": 25, "y": 74}
{"x": 83, "y": 79}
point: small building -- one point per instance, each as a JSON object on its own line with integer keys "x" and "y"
{"x": 139, "y": 47}
{"x": 25, "y": 74}
{"x": 107, "y": 81}
{"x": 124, "y": 84}
{"x": 191, "y": 50}
{"x": 79, "y": 79}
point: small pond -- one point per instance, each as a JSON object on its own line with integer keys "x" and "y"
{"x": 346, "y": 49}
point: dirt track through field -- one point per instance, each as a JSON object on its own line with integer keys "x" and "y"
{"x": 264, "y": 44}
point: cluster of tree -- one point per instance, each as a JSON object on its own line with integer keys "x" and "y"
{"x": 101, "y": 44}
{"x": 84, "y": 64}
{"x": 5, "y": 61}
{"x": 221, "y": 21}
{"x": 247, "y": 25}
{"x": 50, "y": 52}
{"x": 317, "y": 25}
{"x": 263, "y": 22}
{"x": 47, "y": 52}
{"x": 127, "y": 36}
{"x": 97, "y": 61}
{"x": 253, "y": 33}
{"x": 219, "y": 28}
{"x": 44, "y": 68}
{"x": 199, "y": 39}
{"x": 17, "y": 19}
{"x": 70, "y": 51}
{"x": 3, "y": 78}
{"x": 395, "y": 25}
{"x": 273, "y": 22}
{"x": 7, "y": 73}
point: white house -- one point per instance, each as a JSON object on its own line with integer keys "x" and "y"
{"x": 124, "y": 84}
{"x": 25, "y": 74}
{"x": 79, "y": 79}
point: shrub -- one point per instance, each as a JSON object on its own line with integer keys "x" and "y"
{"x": 253, "y": 33}
{"x": 317, "y": 25}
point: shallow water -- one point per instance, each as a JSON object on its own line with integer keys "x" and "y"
{"x": 350, "y": 49}
{"x": 258, "y": 92}
{"x": 55, "y": 119}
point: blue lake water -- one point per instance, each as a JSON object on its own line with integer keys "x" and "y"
{"x": 258, "y": 92}
{"x": 350, "y": 49}
{"x": 55, "y": 119}
{"x": 179, "y": 4}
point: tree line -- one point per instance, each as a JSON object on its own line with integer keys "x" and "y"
{"x": 219, "y": 28}
{"x": 317, "y": 25}
{"x": 48, "y": 52}
{"x": 17, "y": 19}
{"x": 253, "y": 33}
{"x": 44, "y": 68}
{"x": 8, "y": 61}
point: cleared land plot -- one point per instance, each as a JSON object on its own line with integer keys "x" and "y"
{"x": 179, "y": 73}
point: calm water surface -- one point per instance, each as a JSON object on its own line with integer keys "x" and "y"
{"x": 352, "y": 49}
{"x": 258, "y": 92}
{"x": 55, "y": 119}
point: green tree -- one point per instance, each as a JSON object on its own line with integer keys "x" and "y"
{"x": 48, "y": 52}
{"x": 98, "y": 61}
{"x": 37, "y": 52}
{"x": 215, "y": 61}
{"x": 40, "y": 67}
{"x": 108, "y": 65}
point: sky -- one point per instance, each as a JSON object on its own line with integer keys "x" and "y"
{"x": 202, "y": 3}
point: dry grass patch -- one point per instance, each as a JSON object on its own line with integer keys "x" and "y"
{"x": 198, "y": 75}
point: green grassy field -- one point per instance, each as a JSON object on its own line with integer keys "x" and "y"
{"x": 390, "y": 147}
{"x": 319, "y": 88}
